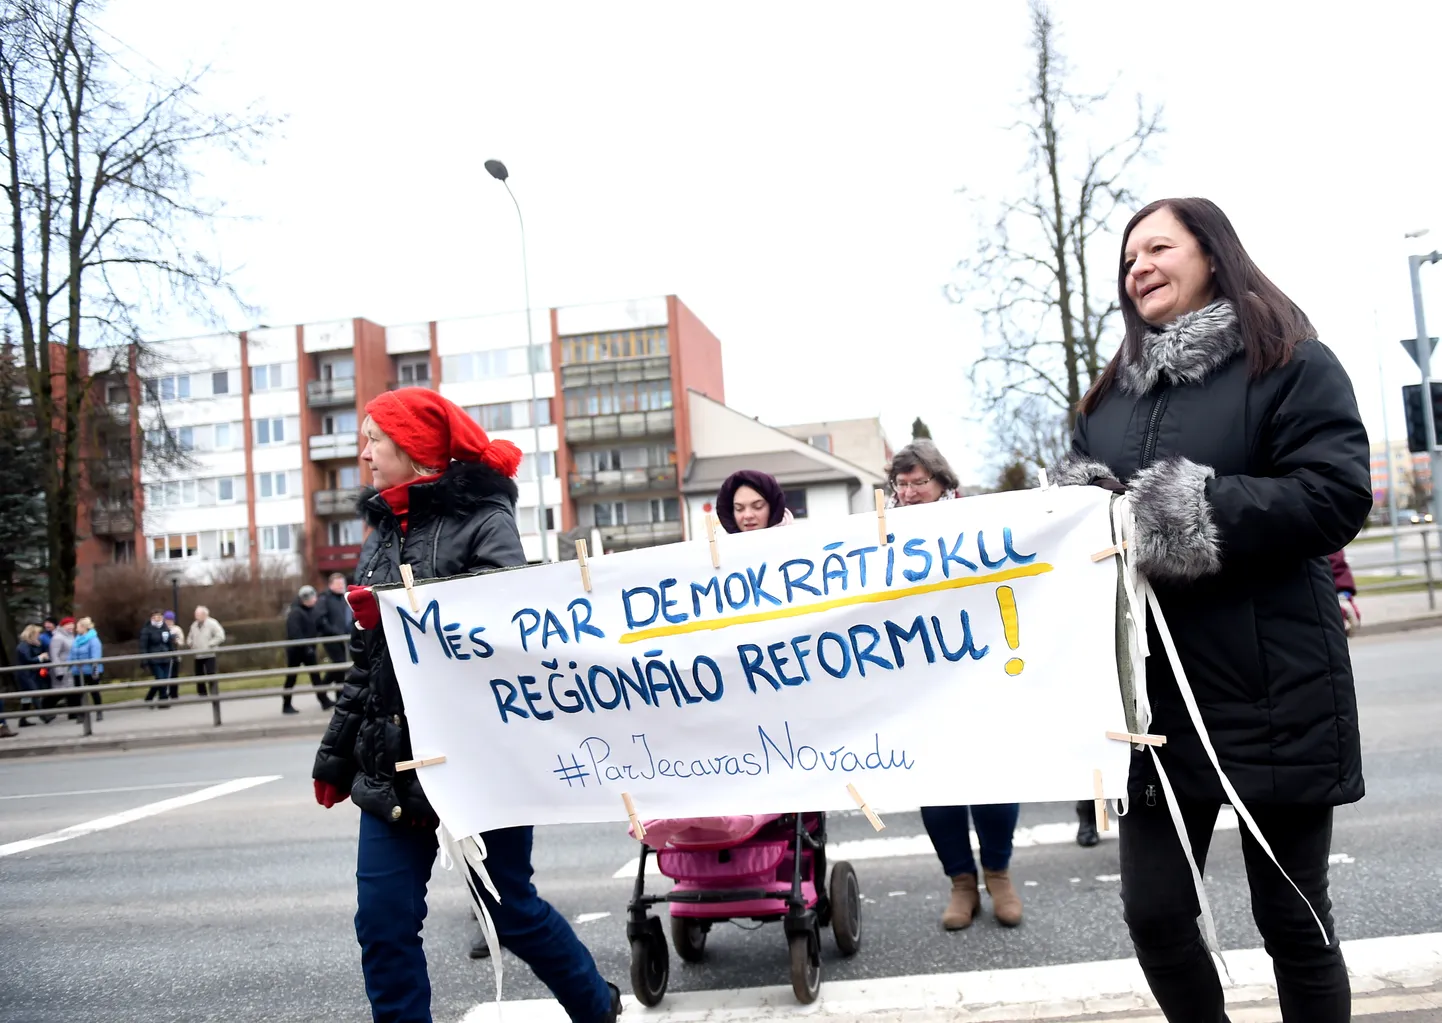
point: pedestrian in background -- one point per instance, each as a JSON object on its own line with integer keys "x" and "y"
{"x": 305, "y": 620}
{"x": 156, "y": 638}
{"x": 177, "y": 636}
{"x": 206, "y": 634}
{"x": 749, "y": 500}
{"x": 59, "y": 653}
{"x": 27, "y": 652}
{"x": 338, "y": 617}
{"x": 919, "y": 474}
{"x": 1346, "y": 585}
{"x": 1236, "y": 436}
{"x": 87, "y": 647}
{"x": 47, "y": 630}
{"x": 446, "y": 506}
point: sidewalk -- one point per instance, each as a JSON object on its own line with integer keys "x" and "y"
{"x": 1397, "y": 612}
{"x": 182, "y": 724}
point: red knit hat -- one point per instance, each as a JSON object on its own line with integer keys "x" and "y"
{"x": 434, "y": 430}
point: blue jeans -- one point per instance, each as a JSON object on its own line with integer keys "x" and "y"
{"x": 160, "y": 671}
{"x": 950, "y": 833}
{"x": 393, "y": 866}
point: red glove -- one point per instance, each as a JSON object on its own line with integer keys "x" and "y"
{"x": 327, "y": 795}
{"x": 362, "y": 601}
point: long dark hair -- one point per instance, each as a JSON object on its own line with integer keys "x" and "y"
{"x": 1271, "y": 324}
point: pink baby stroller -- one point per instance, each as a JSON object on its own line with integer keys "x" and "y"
{"x": 763, "y": 868}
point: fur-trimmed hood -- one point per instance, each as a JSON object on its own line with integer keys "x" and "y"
{"x": 460, "y": 492}
{"x": 1187, "y": 350}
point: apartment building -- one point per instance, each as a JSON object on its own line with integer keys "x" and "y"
{"x": 1411, "y": 474}
{"x": 253, "y": 444}
{"x": 861, "y": 442}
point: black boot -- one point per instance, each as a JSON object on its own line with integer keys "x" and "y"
{"x": 286, "y": 708}
{"x": 1086, "y": 832}
{"x": 479, "y": 947}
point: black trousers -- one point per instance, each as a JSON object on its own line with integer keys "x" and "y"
{"x": 337, "y": 654}
{"x": 300, "y": 656}
{"x": 204, "y": 666}
{"x": 1161, "y": 908}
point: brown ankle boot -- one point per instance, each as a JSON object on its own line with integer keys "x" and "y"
{"x": 1005, "y": 902}
{"x": 963, "y": 905}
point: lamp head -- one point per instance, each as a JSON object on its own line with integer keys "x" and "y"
{"x": 497, "y": 170}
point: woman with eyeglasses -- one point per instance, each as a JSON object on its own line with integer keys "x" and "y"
{"x": 918, "y": 474}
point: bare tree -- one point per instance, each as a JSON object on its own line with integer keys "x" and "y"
{"x": 96, "y": 171}
{"x": 1033, "y": 276}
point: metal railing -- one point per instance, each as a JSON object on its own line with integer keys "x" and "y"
{"x": 1405, "y": 580}
{"x": 214, "y": 696}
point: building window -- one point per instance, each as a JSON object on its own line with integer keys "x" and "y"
{"x": 346, "y": 533}
{"x": 795, "y": 503}
{"x": 338, "y": 369}
{"x": 225, "y": 490}
{"x": 220, "y": 382}
{"x": 123, "y": 553}
{"x": 609, "y": 399}
{"x": 615, "y": 344}
{"x": 276, "y": 539}
{"x": 272, "y": 484}
{"x": 117, "y": 394}
{"x": 167, "y": 388}
{"x": 175, "y": 547}
{"x": 526, "y": 473}
{"x": 226, "y": 542}
{"x": 666, "y": 509}
{"x": 611, "y": 513}
{"x": 339, "y": 422}
{"x": 268, "y": 378}
{"x": 512, "y": 415}
{"x": 175, "y": 494}
{"x": 270, "y": 431}
{"x": 416, "y": 373}
{"x": 222, "y": 437}
{"x": 822, "y": 441}
{"x": 490, "y": 365}
{"x": 347, "y": 477}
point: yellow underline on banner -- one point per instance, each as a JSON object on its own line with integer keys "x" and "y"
{"x": 712, "y": 624}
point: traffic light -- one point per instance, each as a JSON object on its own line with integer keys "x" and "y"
{"x": 1412, "y": 404}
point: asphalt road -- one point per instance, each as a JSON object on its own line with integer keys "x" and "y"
{"x": 239, "y": 907}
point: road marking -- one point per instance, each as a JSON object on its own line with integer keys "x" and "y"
{"x": 1061, "y": 833}
{"x": 1109, "y": 878}
{"x": 586, "y": 918}
{"x": 1381, "y": 971}
{"x": 139, "y": 813}
{"x": 102, "y": 792}
{"x": 1341, "y": 858}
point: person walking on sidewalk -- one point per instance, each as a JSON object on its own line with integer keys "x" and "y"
{"x": 87, "y": 647}
{"x": 27, "y": 652}
{"x": 339, "y": 619}
{"x": 59, "y": 652}
{"x": 206, "y": 635}
{"x": 1236, "y": 436}
{"x": 177, "y": 636}
{"x": 444, "y": 503}
{"x": 306, "y": 620}
{"x": 156, "y": 638}
{"x": 919, "y": 474}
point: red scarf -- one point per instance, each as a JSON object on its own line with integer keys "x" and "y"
{"x": 398, "y": 498}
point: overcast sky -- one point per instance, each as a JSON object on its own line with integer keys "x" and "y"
{"x": 791, "y": 171}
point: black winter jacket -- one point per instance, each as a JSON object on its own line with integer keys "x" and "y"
{"x": 1241, "y": 488}
{"x": 338, "y": 617}
{"x": 464, "y": 522}
{"x": 156, "y": 639}
{"x": 303, "y": 622}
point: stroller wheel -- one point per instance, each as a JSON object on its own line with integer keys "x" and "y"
{"x": 689, "y": 936}
{"x": 845, "y": 908}
{"x": 650, "y": 965}
{"x": 806, "y": 967}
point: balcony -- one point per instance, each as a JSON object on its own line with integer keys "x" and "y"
{"x": 330, "y": 393}
{"x": 639, "y": 534}
{"x": 324, "y": 446}
{"x": 621, "y": 426}
{"x": 337, "y": 502}
{"x": 338, "y": 559}
{"x": 621, "y": 371}
{"x": 112, "y": 521}
{"x": 623, "y": 481}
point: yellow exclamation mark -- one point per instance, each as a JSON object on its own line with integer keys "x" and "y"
{"x": 1011, "y": 624}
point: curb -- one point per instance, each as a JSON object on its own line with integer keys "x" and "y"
{"x": 1427, "y": 621}
{"x": 149, "y": 740}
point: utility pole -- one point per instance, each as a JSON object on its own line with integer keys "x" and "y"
{"x": 1424, "y": 363}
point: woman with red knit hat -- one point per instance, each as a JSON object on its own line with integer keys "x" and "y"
{"x": 443, "y": 503}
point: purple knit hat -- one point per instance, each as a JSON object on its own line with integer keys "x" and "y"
{"x": 763, "y": 483}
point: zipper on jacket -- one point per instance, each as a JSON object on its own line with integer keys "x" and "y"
{"x": 1149, "y": 444}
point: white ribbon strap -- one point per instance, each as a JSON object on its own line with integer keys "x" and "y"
{"x": 1195, "y": 714}
{"x": 472, "y": 852}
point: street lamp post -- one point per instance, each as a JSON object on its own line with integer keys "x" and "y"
{"x": 498, "y": 171}
{"x": 1424, "y": 363}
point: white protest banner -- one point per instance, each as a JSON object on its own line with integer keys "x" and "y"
{"x": 970, "y": 660}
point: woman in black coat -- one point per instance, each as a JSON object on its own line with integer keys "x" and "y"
{"x": 451, "y": 520}
{"x": 1236, "y": 434}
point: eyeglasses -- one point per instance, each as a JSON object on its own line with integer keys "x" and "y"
{"x": 913, "y": 485}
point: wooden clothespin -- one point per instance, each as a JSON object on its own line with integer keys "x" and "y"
{"x": 1110, "y": 552}
{"x": 881, "y": 516}
{"x": 411, "y": 765}
{"x": 1142, "y": 740}
{"x": 711, "y": 522}
{"x": 408, "y": 577}
{"x": 866, "y": 807}
{"x": 585, "y": 565}
{"x": 1103, "y": 823}
{"x": 637, "y": 828}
